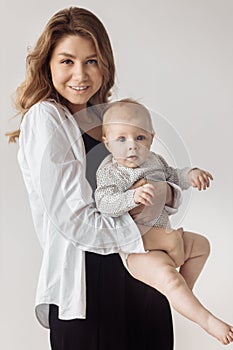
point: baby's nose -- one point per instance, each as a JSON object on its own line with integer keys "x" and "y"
{"x": 132, "y": 145}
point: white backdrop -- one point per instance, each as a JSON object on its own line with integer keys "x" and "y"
{"x": 176, "y": 56}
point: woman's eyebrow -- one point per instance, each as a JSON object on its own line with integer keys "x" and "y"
{"x": 67, "y": 54}
{"x": 94, "y": 55}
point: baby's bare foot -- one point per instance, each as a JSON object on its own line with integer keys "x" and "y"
{"x": 220, "y": 330}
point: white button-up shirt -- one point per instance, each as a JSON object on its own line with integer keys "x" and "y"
{"x": 52, "y": 160}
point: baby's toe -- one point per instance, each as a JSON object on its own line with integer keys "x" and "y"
{"x": 230, "y": 335}
{"x": 225, "y": 340}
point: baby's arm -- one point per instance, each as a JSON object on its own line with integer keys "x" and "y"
{"x": 173, "y": 175}
{"x": 186, "y": 177}
{"x": 110, "y": 199}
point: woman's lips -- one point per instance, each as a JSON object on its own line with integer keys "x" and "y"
{"x": 79, "y": 88}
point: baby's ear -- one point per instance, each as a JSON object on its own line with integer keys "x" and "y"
{"x": 152, "y": 136}
{"x": 104, "y": 139}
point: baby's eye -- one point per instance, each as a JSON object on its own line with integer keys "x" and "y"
{"x": 121, "y": 139}
{"x": 140, "y": 137}
{"x": 68, "y": 61}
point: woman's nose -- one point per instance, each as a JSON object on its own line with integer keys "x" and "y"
{"x": 79, "y": 72}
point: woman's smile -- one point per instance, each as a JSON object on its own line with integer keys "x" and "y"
{"x": 79, "y": 88}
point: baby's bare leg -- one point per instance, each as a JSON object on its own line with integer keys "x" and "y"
{"x": 196, "y": 250}
{"x": 158, "y": 270}
{"x": 157, "y": 238}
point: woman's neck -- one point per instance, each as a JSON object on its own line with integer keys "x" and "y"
{"x": 89, "y": 121}
{"x": 95, "y": 133}
{"x": 76, "y": 108}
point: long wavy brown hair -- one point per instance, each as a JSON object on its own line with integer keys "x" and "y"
{"x": 38, "y": 85}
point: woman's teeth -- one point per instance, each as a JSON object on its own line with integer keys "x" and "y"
{"x": 79, "y": 88}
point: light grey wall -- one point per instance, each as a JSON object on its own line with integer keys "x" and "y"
{"x": 176, "y": 55}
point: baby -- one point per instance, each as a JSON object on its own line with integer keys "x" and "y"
{"x": 128, "y": 135}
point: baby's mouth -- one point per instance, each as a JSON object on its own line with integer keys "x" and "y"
{"x": 132, "y": 157}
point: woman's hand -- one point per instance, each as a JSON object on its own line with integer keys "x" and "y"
{"x": 199, "y": 179}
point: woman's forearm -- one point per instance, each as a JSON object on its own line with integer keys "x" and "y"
{"x": 169, "y": 196}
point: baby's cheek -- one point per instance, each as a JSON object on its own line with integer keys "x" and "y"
{"x": 144, "y": 151}
{"x": 118, "y": 152}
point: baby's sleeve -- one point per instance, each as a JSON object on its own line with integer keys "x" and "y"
{"x": 173, "y": 175}
{"x": 110, "y": 199}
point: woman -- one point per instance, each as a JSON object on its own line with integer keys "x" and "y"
{"x": 84, "y": 295}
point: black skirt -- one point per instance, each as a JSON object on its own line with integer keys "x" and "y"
{"x": 122, "y": 313}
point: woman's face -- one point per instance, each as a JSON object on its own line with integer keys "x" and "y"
{"x": 75, "y": 71}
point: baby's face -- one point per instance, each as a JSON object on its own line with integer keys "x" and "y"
{"x": 127, "y": 140}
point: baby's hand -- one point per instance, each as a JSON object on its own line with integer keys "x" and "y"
{"x": 200, "y": 179}
{"x": 145, "y": 195}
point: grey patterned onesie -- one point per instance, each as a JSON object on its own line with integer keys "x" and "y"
{"x": 113, "y": 195}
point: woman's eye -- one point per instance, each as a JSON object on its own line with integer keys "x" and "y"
{"x": 121, "y": 139}
{"x": 141, "y": 137}
{"x": 68, "y": 61}
{"x": 93, "y": 61}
